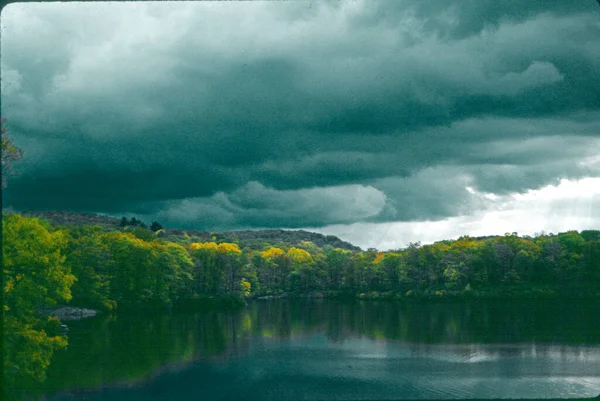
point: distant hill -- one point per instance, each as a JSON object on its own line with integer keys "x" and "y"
{"x": 67, "y": 218}
{"x": 253, "y": 239}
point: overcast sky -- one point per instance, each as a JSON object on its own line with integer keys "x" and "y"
{"x": 380, "y": 122}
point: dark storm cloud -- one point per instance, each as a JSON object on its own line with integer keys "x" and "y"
{"x": 458, "y": 19}
{"x": 238, "y": 114}
{"x": 254, "y": 205}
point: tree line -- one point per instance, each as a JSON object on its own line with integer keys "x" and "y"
{"x": 90, "y": 266}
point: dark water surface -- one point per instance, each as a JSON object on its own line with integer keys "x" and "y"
{"x": 315, "y": 350}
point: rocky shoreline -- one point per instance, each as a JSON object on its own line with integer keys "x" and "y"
{"x": 67, "y": 313}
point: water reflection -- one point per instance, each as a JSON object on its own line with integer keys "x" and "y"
{"x": 322, "y": 349}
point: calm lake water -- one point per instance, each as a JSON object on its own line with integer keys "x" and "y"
{"x": 333, "y": 350}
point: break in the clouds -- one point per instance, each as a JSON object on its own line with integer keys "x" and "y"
{"x": 333, "y": 115}
{"x": 551, "y": 209}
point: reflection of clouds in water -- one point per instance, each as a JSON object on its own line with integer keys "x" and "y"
{"x": 522, "y": 387}
{"x": 482, "y": 353}
{"x": 471, "y": 358}
{"x": 590, "y": 382}
{"x": 446, "y": 370}
{"x": 363, "y": 348}
{"x": 453, "y": 371}
{"x": 371, "y": 356}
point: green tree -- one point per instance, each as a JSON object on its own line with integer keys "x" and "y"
{"x": 91, "y": 262}
{"x": 414, "y": 265}
{"x": 278, "y": 268}
{"x": 206, "y": 274}
{"x": 141, "y": 233}
{"x": 360, "y": 270}
{"x": 336, "y": 263}
{"x": 131, "y": 274}
{"x": 170, "y": 273}
{"x": 10, "y": 153}
{"x": 35, "y": 276}
{"x": 155, "y": 226}
{"x": 303, "y": 269}
{"x": 229, "y": 258}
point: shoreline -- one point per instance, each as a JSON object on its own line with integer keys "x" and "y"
{"x": 66, "y": 313}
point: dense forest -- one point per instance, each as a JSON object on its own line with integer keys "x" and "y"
{"x": 132, "y": 266}
{"x": 255, "y": 239}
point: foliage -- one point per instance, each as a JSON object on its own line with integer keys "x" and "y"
{"x": 155, "y": 226}
{"x": 35, "y": 275}
{"x": 133, "y": 266}
{"x": 92, "y": 263}
{"x": 91, "y": 266}
{"x": 141, "y": 233}
{"x": 33, "y": 265}
{"x": 10, "y": 153}
{"x": 133, "y": 223}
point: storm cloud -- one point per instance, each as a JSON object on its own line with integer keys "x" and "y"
{"x": 297, "y": 114}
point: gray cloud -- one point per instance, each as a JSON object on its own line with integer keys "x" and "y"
{"x": 255, "y": 205}
{"x": 240, "y": 113}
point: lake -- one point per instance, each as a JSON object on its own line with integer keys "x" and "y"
{"x": 334, "y": 350}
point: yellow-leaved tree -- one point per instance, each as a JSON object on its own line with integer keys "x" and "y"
{"x": 35, "y": 276}
{"x": 276, "y": 269}
{"x": 303, "y": 274}
{"x": 217, "y": 267}
{"x": 299, "y": 257}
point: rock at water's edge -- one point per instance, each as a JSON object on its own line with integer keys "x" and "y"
{"x": 66, "y": 313}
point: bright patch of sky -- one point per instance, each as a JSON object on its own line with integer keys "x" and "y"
{"x": 569, "y": 205}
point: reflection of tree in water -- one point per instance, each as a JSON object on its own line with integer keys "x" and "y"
{"x": 484, "y": 322}
{"x": 117, "y": 349}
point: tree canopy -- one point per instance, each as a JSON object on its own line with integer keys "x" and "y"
{"x": 10, "y": 153}
{"x": 131, "y": 267}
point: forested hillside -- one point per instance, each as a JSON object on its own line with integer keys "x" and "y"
{"x": 247, "y": 238}
{"x": 117, "y": 269}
